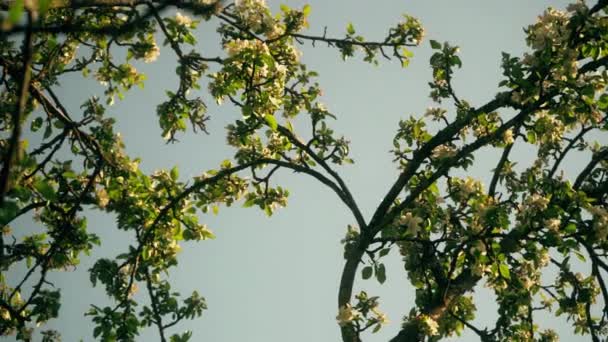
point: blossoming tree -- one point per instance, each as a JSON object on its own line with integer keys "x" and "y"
{"x": 452, "y": 233}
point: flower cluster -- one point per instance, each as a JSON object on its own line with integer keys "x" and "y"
{"x": 183, "y": 20}
{"x": 152, "y": 54}
{"x": 412, "y": 28}
{"x": 256, "y": 16}
{"x": 485, "y": 212}
{"x": 381, "y": 317}
{"x": 507, "y": 137}
{"x": 102, "y": 197}
{"x": 253, "y": 65}
{"x": 536, "y": 202}
{"x": 470, "y": 186}
{"x": 429, "y": 325}
{"x": 548, "y": 128}
{"x": 543, "y": 258}
{"x": 347, "y": 314}
{"x": 528, "y": 274}
{"x": 67, "y": 52}
{"x": 567, "y": 68}
{"x": 553, "y": 224}
{"x": 365, "y": 313}
{"x": 549, "y": 31}
{"x": 411, "y": 222}
{"x": 237, "y": 46}
{"x": 443, "y": 151}
{"x": 600, "y": 222}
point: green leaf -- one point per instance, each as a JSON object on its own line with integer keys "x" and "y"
{"x": 306, "y": 10}
{"x": 381, "y": 273}
{"x": 185, "y": 337}
{"x": 36, "y": 124}
{"x": 384, "y": 252}
{"x": 43, "y": 6}
{"x": 47, "y": 132}
{"x": 97, "y": 331}
{"x": 8, "y": 211}
{"x": 189, "y": 39}
{"x": 249, "y": 203}
{"x": 290, "y": 127}
{"x": 367, "y": 272}
{"x": 268, "y": 60}
{"x": 15, "y": 11}
{"x": 271, "y": 121}
{"x": 570, "y": 228}
{"x": 174, "y": 173}
{"x": 435, "y": 44}
{"x": 602, "y": 103}
{"x": 58, "y": 124}
{"x": 46, "y": 190}
{"x": 350, "y": 29}
{"x": 504, "y": 271}
{"x": 531, "y": 135}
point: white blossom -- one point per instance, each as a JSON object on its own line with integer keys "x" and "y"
{"x": 537, "y": 202}
{"x": 253, "y": 13}
{"x": 600, "y": 224}
{"x": 152, "y": 54}
{"x": 470, "y": 186}
{"x": 183, "y": 20}
{"x": 411, "y": 222}
{"x": 381, "y": 317}
{"x": 347, "y": 314}
{"x": 431, "y": 326}
{"x": 441, "y": 83}
{"x": 552, "y": 129}
{"x": 443, "y": 151}
{"x": 5, "y": 314}
{"x": 553, "y": 224}
{"x": 544, "y": 258}
{"x": 550, "y": 30}
{"x": 237, "y": 46}
{"x": 102, "y": 198}
{"x": 528, "y": 282}
{"x": 508, "y": 137}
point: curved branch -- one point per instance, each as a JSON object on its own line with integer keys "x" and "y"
{"x": 596, "y": 159}
{"x": 348, "y": 197}
{"x": 421, "y": 154}
{"x": 567, "y": 149}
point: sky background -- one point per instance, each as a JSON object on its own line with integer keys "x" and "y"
{"x": 276, "y": 279}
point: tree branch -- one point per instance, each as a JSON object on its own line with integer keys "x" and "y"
{"x": 24, "y": 83}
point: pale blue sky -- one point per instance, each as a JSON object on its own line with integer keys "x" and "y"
{"x": 277, "y": 279}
